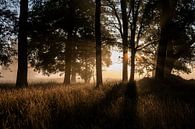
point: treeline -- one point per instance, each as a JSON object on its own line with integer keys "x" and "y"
{"x": 72, "y": 37}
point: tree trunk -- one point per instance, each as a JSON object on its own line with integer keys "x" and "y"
{"x": 132, "y": 39}
{"x": 22, "y": 72}
{"x": 98, "y": 44}
{"x": 69, "y": 43}
{"x": 167, "y": 10}
{"x": 170, "y": 60}
{"x": 68, "y": 57}
{"x": 73, "y": 71}
{"x": 125, "y": 40}
{"x": 73, "y": 76}
{"x": 161, "y": 55}
{"x": 132, "y": 72}
{"x": 133, "y": 52}
{"x": 169, "y": 67}
{"x": 125, "y": 65}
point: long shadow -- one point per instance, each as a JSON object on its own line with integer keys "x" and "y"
{"x": 130, "y": 107}
{"x": 127, "y": 115}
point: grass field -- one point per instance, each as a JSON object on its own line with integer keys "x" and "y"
{"x": 151, "y": 104}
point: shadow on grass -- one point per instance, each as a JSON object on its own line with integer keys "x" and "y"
{"x": 123, "y": 98}
{"x": 116, "y": 110}
{"x": 168, "y": 103}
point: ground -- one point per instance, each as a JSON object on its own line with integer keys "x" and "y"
{"x": 149, "y": 104}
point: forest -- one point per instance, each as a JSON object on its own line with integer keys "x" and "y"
{"x": 74, "y": 39}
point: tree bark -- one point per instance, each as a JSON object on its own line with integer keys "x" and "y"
{"x": 73, "y": 76}
{"x": 169, "y": 67}
{"x": 68, "y": 57}
{"x": 73, "y": 71}
{"x": 98, "y": 44}
{"x": 125, "y": 40}
{"x": 125, "y": 65}
{"x": 161, "y": 55}
{"x": 170, "y": 60}
{"x": 22, "y": 71}
{"x": 135, "y": 13}
{"x": 69, "y": 43}
{"x": 132, "y": 72}
{"x": 133, "y": 51}
{"x": 167, "y": 10}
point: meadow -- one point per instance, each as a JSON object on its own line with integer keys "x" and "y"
{"x": 149, "y": 104}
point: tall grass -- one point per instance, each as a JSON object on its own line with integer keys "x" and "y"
{"x": 149, "y": 105}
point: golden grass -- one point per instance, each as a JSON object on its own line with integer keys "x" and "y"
{"x": 117, "y": 106}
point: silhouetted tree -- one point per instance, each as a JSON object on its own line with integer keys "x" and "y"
{"x": 117, "y": 20}
{"x": 49, "y": 36}
{"x": 125, "y": 39}
{"x": 98, "y": 44}
{"x": 22, "y": 46}
{"x": 58, "y": 29}
{"x": 167, "y": 9}
{"x": 180, "y": 49}
{"x": 139, "y": 14}
{"x": 134, "y": 12}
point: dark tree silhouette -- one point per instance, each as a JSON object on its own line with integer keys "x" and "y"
{"x": 134, "y": 10}
{"x": 120, "y": 23}
{"x": 22, "y": 46}
{"x": 180, "y": 51}
{"x": 166, "y": 13}
{"x": 139, "y": 16}
{"x": 125, "y": 40}
{"x": 71, "y": 13}
{"x": 51, "y": 36}
{"x": 98, "y": 44}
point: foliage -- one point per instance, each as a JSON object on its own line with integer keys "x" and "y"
{"x": 8, "y": 22}
{"x": 49, "y": 26}
{"x": 181, "y": 40}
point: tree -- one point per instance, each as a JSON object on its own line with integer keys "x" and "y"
{"x": 134, "y": 5}
{"x": 125, "y": 40}
{"x": 86, "y": 59}
{"x": 166, "y": 14}
{"x": 8, "y": 21}
{"x": 180, "y": 49}
{"x": 69, "y": 45}
{"x": 117, "y": 20}
{"x": 62, "y": 23}
{"x": 98, "y": 44}
{"x": 48, "y": 34}
{"x": 22, "y": 46}
{"x": 139, "y": 15}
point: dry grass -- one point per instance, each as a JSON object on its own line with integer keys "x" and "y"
{"x": 149, "y": 105}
